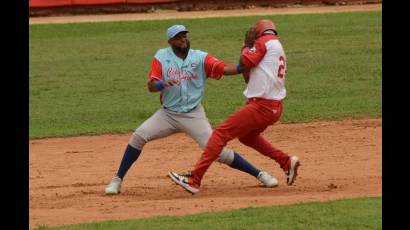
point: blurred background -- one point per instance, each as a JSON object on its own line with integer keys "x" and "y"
{"x": 81, "y": 7}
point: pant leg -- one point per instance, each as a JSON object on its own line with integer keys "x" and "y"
{"x": 260, "y": 144}
{"x": 196, "y": 125}
{"x": 159, "y": 125}
{"x": 236, "y": 125}
{"x": 254, "y": 139}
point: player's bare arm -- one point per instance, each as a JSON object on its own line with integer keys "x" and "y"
{"x": 244, "y": 69}
{"x": 231, "y": 70}
{"x": 156, "y": 86}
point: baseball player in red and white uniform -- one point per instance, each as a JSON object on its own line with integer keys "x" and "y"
{"x": 265, "y": 92}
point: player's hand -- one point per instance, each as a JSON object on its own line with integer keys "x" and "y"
{"x": 250, "y": 37}
{"x": 172, "y": 82}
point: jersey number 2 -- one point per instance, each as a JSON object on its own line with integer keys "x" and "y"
{"x": 281, "y": 68}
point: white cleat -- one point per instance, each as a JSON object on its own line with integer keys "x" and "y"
{"x": 183, "y": 180}
{"x": 114, "y": 186}
{"x": 267, "y": 179}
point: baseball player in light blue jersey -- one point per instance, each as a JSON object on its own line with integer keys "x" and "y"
{"x": 179, "y": 73}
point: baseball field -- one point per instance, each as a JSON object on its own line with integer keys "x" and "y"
{"x": 88, "y": 92}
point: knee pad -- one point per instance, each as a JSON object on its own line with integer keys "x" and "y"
{"x": 137, "y": 141}
{"x": 226, "y": 157}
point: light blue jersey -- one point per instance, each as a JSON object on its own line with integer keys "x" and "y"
{"x": 190, "y": 73}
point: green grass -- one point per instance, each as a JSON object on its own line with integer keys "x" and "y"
{"x": 90, "y": 78}
{"x": 357, "y": 214}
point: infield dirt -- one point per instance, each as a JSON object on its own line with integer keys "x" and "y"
{"x": 340, "y": 159}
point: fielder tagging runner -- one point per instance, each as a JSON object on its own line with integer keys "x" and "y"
{"x": 179, "y": 73}
{"x": 264, "y": 66}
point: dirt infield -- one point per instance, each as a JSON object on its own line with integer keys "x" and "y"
{"x": 340, "y": 159}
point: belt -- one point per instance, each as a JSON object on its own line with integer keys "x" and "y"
{"x": 180, "y": 112}
{"x": 264, "y": 100}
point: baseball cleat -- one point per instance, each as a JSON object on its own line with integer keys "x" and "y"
{"x": 183, "y": 180}
{"x": 293, "y": 170}
{"x": 267, "y": 179}
{"x": 114, "y": 186}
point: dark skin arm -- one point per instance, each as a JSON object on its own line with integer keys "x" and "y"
{"x": 168, "y": 83}
{"x": 230, "y": 70}
{"x": 245, "y": 70}
{"x": 245, "y": 74}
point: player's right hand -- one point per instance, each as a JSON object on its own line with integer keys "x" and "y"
{"x": 172, "y": 82}
{"x": 250, "y": 37}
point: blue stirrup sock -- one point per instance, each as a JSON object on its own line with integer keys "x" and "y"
{"x": 244, "y": 166}
{"x": 131, "y": 154}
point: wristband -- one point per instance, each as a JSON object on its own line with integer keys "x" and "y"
{"x": 159, "y": 85}
{"x": 238, "y": 68}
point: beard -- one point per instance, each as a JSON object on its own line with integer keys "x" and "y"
{"x": 183, "y": 50}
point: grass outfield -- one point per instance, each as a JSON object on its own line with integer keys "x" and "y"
{"x": 358, "y": 214}
{"x": 90, "y": 78}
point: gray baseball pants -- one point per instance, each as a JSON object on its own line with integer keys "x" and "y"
{"x": 165, "y": 122}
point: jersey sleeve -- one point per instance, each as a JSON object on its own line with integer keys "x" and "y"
{"x": 252, "y": 56}
{"x": 156, "y": 70}
{"x": 214, "y": 68}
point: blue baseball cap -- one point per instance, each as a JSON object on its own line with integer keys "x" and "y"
{"x": 174, "y": 30}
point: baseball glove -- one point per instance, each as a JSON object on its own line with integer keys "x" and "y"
{"x": 250, "y": 37}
